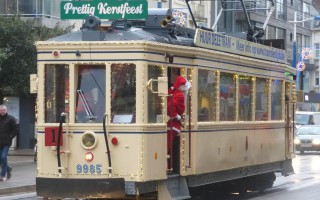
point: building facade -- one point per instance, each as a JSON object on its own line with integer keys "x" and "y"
{"x": 314, "y": 78}
{"x": 280, "y": 29}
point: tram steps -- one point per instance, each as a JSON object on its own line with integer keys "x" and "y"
{"x": 176, "y": 188}
{"x": 181, "y": 197}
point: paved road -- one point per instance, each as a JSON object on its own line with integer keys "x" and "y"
{"x": 304, "y": 184}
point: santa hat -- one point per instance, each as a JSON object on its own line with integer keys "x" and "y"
{"x": 178, "y": 82}
{"x": 181, "y": 84}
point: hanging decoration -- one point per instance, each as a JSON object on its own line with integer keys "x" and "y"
{"x": 300, "y": 66}
{"x": 180, "y": 18}
{"x": 306, "y": 53}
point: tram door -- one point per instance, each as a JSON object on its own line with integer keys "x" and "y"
{"x": 176, "y": 126}
{"x": 289, "y": 118}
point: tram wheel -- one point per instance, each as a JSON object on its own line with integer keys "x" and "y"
{"x": 261, "y": 191}
{"x": 243, "y": 189}
{"x": 301, "y": 152}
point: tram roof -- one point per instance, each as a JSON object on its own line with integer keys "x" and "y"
{"x": 157, "y": 28}
{"x": 130, "y": 34}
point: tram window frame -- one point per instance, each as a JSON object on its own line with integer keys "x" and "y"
{"x": 155, "y": 102}
{"x": 123, "y": 93}
{"x": 207, "y": 81}
{"x": 188, "y": 97}
{"x": 90, "y": 93}
{"x": 55, "y": 103}
{"x": 276, "y": 91}
{"x": 227, "y": 94}
{"x": 245, "y": 86}
{"x": 261, "y": 99}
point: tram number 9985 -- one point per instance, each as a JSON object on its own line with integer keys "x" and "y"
{"x": 86, "y": 169}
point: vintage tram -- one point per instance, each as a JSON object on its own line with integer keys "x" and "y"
{"x": 101, "y": 111}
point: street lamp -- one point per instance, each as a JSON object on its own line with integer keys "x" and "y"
{"x": 294, "y": 43}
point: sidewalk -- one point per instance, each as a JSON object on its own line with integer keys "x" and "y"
{"x": 23, "y": 173}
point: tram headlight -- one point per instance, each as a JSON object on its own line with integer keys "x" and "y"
{"x": 89, "y": 140}
{"x": 297, "y": 141}
{"x": 89, "y": 156}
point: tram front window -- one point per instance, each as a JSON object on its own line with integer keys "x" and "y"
{"x": 90, "y": 102}
{"x": 56, "y": 92}
{"x": 123, "y": 93}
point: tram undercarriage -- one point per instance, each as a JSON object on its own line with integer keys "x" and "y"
{"x": 240, "y": 180}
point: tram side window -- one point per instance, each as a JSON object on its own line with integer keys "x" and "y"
{"x": 261, "y": 99}
{"x": 188, "y": 98}
{"x": 123, "y": 93}
{"x": 227, "y": 97}
{"x": 245, "y": 98}
{"x": 56, "y": 92}
{"x": 276, "y": 92}
{"x": 206, "y": 95}
{"x": 91, "y": 87}
{"x": 155, "y": 102}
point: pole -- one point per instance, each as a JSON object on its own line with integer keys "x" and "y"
{"x": 294, "y": 50}
{"x": 319, "y": 74}
{"x": 159, "y": 5}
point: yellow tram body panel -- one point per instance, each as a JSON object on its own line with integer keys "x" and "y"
{"x": 227, "y": 149}
{"x": 137, "y": 157}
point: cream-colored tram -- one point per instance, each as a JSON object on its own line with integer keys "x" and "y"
{"x": 101, "y": 112}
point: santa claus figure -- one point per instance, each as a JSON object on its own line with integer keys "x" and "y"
{"x": 175, "y": 109}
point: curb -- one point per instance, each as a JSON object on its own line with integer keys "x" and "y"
{"x": 17, "y": 189}
{"x": 20, "y": 154}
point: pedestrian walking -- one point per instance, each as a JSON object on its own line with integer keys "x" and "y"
{"x": 8, "y": 130}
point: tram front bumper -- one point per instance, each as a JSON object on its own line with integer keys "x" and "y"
{"x": 80, "y": 188}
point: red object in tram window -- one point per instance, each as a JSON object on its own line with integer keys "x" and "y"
{"x": 51, "y": 136}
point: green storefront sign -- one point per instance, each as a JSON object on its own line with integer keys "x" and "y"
{"x": 104, "y": 9}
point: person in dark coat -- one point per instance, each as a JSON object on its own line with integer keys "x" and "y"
{"x": 8, "y": 130}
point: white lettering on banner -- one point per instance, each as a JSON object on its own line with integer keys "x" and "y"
{"x": 103, "y": 8}
{"x": 217, "y": 41}
{"x": 84, "y": 9}
{"x": 123, "y": 9}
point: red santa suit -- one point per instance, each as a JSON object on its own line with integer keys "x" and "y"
{"x": 175, "y": 109}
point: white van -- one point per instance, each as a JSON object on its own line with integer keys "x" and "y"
{"x": 307, "y": 118}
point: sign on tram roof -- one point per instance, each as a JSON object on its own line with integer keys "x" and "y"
{"x": 104, "y": 9}
{"x": 216, "y": 41}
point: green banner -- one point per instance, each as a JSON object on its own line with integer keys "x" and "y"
{"x": 104, "y": 9}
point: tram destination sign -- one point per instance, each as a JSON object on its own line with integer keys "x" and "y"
{"x": 216, "y": 41}
{"x": 104, "y": 9}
